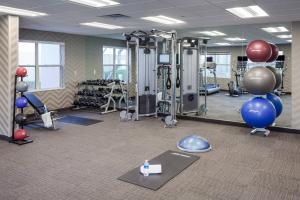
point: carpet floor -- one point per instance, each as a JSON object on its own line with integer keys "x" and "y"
{"x": 84, "y": 162}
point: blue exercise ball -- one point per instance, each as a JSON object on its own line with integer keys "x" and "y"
{"x": 258, "y": 112}
{"x": 276, "y": 102}
{"x": 21, "y": 102}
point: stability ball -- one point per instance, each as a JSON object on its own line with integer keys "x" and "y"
{"x": 20, "y": 134}
{"x": 21, "y": 72}
{"x": 259, "y": 81}
{"x": 22, "y": 86}
{"x": 275, "y": 52}
{"x": 258, "y": 112}
{"x": 21, "y": 102}
{"x": 259, "y": 51}
{"x": 20, "y": 118}
{"x": 277, "y": 75}
{"x": 276, "y": 101}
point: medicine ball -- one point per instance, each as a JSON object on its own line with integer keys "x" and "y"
{"x": 21, "y": 102}
{"x": 259, "y": 51}
{"x": 20, "y": 134}
{"x": 21, "y": 72}
{"x": 275, "y": 52}
{"x": 259, "y": 81}
{"x": 277, "y": 75}
{"x": 22, "y": 86}
{"x": 20, "y": 118}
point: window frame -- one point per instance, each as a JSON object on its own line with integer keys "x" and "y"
{"x": 220, "y": 64}
{"x": 37, "y": 66}
{"x": 114, "y": 65}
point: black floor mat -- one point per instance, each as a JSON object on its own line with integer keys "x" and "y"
{"x": 79, "y": 120}
{"x": 173, "y": 163}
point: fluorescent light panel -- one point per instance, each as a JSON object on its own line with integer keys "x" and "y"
{"x": 163, "y": 19}
{"x": 102, "y": 25}
{"x": 248, "y": 12}
{"x": 96, "y": 3}
{"x": 212, "y": 33}
{"x": 20, "y": 12}
{"x": 284, "y": 36}
{"x": 279, "y": 29}
{"x": 222, "y": 43}
{"x": 235, "y": 39}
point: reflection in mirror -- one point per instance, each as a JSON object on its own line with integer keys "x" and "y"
{"x": 223, "y": 64}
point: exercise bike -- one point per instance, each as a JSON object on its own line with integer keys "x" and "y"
{"x": 235, "y": 89}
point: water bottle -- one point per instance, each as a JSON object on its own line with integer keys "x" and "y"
{"x": 146, "y": 168}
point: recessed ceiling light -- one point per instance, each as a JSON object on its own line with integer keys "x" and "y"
{"x": 212, "y": 33}
{"x": 222, "y": 43}
{"x": 21, "y": 12}
{"x": 163, "y": 19}
{"x": 279, "y": 29}
{"x": 235, "y": 39}
{"x": 248, "y": 12}
{"x": 102, "y": 25}
{"x": 96, "y": 3}
{"x": 284, "y": 36}
{"x": 290, "y": 41}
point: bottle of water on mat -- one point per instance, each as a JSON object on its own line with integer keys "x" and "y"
{"x": 146, "y": 168}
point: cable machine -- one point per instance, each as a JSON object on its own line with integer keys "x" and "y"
{"x": 188, "y": 68}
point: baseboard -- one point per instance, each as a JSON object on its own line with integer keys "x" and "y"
{"x": 238, "y": 124}
{"x": 4, "y": 138}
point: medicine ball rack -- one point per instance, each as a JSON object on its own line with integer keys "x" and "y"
{"x": 99, "y": 94}
{"x": 13, "y": 140}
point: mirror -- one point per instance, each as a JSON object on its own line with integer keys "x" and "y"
{"x": 223, "y": 65}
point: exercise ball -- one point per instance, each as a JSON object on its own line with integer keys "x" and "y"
{"x": 275, "y": 52}
{"x": 20, "y": 134}
{"x": 259, "y": 81}
{"x": 22, "y": 86}
{"x": 21, "y": 102}
{"x": 258, "y": 112}
{"x": 194, "y": 144}
{"x": 20, "y": 118}
{"x": 276, "y": 101}
{"x": 259, "y": 51}
{"x": 277, "y": 75}
{"x": 21, "y": 72}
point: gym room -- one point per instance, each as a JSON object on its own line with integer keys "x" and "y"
{"x": 149, "y": 99}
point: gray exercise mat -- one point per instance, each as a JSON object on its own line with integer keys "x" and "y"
{"x": 173, "y": 163}
{"x": 78, "y": 120}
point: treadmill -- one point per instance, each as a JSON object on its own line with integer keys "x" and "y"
{"x": 210, "y": 88}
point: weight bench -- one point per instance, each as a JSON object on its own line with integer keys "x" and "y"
{"x": 40, "y": 109}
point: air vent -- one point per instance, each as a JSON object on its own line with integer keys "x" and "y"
{"x": 115, "y": 16}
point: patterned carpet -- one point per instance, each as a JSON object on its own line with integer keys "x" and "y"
{"x": 83, "y": 163}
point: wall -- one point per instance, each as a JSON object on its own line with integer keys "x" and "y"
{"x": 9, "y": 34}
{"x": 296, "y": 75}
{"x": 238, "y": 51}
{"x": 74, "y": 70}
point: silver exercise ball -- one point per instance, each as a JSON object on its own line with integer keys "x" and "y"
{"x": 22, "y": 86}
{"x": 277, "y": 75}
{"x": 259, "y": 81}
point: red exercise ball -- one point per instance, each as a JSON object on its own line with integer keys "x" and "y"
{"x": 21, "y": 72}
{"x": 259, "y": 51}
{"x": 275, "y": 52}
{"x": 20, "y": 134}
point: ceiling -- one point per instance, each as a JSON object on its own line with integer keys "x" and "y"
{"x": 64, "y": 16}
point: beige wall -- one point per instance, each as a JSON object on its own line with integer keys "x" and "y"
{"x": 74, "y": 70}
{"x": 239, "y": 51}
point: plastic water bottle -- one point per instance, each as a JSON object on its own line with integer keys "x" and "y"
{"x": 146, "y": 168}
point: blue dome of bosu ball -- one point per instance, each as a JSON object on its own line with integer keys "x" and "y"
{"x": 194, "y": 144}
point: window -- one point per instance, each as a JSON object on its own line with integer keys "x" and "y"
{"x": 223, "y": 62}
{"x": 115, "y": 64}
{"x": 44, "y": 62}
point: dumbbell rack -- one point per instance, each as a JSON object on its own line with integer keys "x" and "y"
{"x": 109, "y": 105}
{"x": 13, "y": 140}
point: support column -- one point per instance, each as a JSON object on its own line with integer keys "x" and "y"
{"x": 9, "y": 38}
{"x": 296, "y": 75}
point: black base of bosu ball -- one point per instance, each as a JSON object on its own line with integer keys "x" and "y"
{"x": 21, "y": 142}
